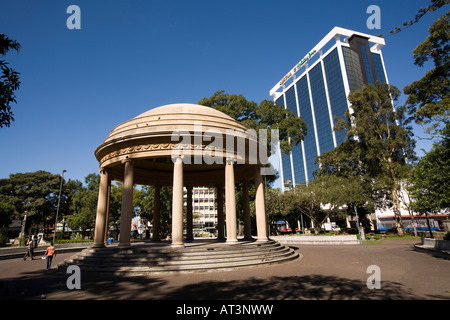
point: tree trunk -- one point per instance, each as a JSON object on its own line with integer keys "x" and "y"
{"x": 397, "y": 213}
{"x": 396, "y": 201}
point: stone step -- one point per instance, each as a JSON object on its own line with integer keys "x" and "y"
{"x": 187, "y": 250}
{"x": 179, "y": 260}
{"x": 138, "y": 255}
{"x": 205, "y": 267}
{"x": 148, "y": 258}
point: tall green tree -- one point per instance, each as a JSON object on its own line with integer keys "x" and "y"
{"x": 384, "y": 143}
{"x": 144, "y": 202}
{"x": 304, "y": 199}
{"x": 9, "y": 82}
{"x": 265, "y": 115}
{"x": 6, "y": 213}
{"x": 84, "y": 205}
{"x": 274, "y": 205}
{"x": 37, "y": 194}
{"x": 428, "y": 99}
{"x": 430, "y": 179}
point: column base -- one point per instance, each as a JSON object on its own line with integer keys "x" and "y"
{"x": 232, "y": 241}
{"x": 177, "y": 245}
{"x": 265, "y": 239}
{"x": 99, "y": 245}
{"x": 124, "y": 245}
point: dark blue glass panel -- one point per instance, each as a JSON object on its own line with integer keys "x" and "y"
{"x": 336, "y": 90}
{"x": 306, "y": 114}
{"x": 367, "y": 64}
{"x": 321, "y": 113}
{"x": 290, "y": 100}
{"x": 286, "y": 163}
{"x": 280, "y": 101}
{"x": 297, "y": 159}
{"x": 379, "y": 70}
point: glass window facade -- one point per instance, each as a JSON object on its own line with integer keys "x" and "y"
{"x": 290, "y": 100}
{"x": 297, "y": 161}
{"x": 310, "y": 140}
{"x": 367, "y": 64}
{"x": 336, "y": 90}
{"x": 321, "y": 113}
{"x": 379, "y": 70}
{"x": 285, "y": 158}
{"x": 353, "y": 69}
{"x": 297, "y": 155}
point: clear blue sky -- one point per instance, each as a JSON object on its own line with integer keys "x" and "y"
{"x": 131, "y": 56}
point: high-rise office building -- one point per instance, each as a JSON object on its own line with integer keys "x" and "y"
{"x": 317, "y": 88}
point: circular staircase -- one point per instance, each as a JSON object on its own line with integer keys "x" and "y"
{"x": 196, "y": 256}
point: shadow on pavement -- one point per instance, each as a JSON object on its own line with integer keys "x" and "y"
{"x": 53, "y": 285}
{"x": 294, "y": 288}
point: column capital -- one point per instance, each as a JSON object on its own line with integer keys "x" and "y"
{"x": 127, "y": 160}
{"x": 177, "y": 157}
{"x": 102, "y": 170}
{"x": 229, "y": 160}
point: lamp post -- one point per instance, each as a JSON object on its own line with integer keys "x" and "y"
{"x": 59, "y": 200}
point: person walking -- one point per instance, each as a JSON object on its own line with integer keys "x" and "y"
{"x": 49, "y": 254}
{"x": 30, "y": 251}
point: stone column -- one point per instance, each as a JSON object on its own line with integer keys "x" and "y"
{"x": 127, "y": 204}
{"x": 220, "y": 217}
{"x": 260, "y": 206}
{"x": 246, "y": 211}
{"x": 102, "y": 205}
{"x": 177, "y": 203}
{"x": 189, "y": 215}
{"x": 230, "y": 202}
{"x": 107, "y": 211}
{"x": 156, "y": 222}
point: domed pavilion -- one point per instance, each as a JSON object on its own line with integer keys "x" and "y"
{"x": 182, "y": 146}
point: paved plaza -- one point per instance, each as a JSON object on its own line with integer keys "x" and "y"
{"x": 323, "y": 272}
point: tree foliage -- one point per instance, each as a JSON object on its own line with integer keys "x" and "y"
{"x": 37, "y": 194}
{"x": 84, "y": 204}
{"x": 6, "y": 213}
{"x": 144, "y": 203}
{"x": 265, "y": 115}
{"x": 304, "y": 199}
{"x": 430, "y": 179}
{"x": 378, "y": 146}
{"x": 428, "y": 99}
{"x": 9, "y": 82}
{"x": 433, "y": 6}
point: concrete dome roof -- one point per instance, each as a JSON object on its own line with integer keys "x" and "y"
{"x": 184, "y": 108}
{"x": 171, "y": 117}
{"x": 148, "y": 140}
